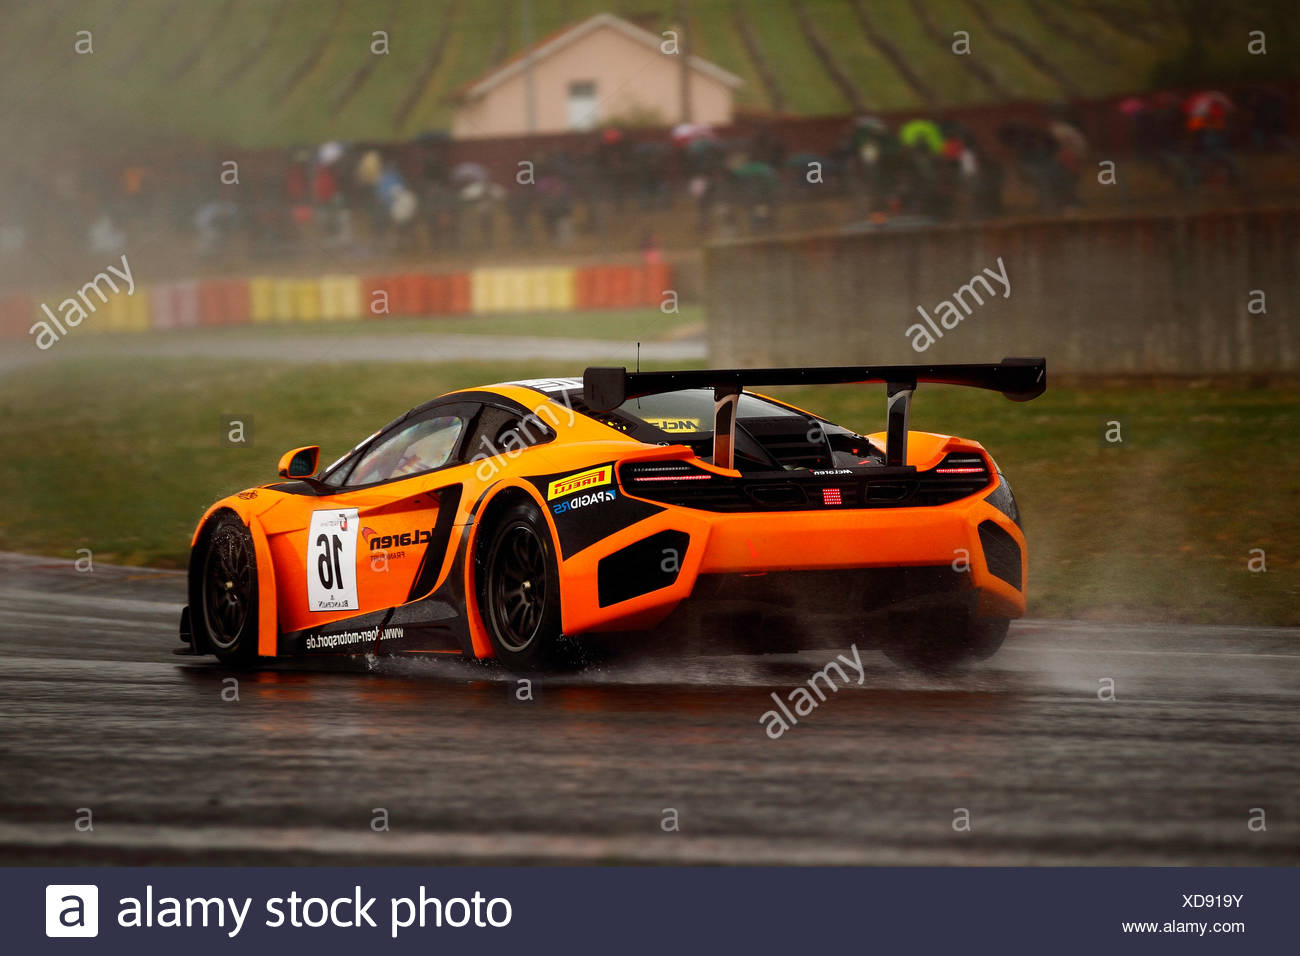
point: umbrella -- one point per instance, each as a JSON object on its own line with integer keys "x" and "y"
{"x": 955, "y": 129}
{"x": 755, "y": 170}
{"x": 469, "y": 173}
{"x": 873, "y": 123}
{"x": 702, "y": 147}
{"x": 330, "y": 152}
{"x": 1068, "y": 137}
{"x": 474, "y": 191}
{"x": 552, "y": 187}
{"x": 921, "y": 132}
{"x": 1132, "y": 105}
{"x": 868, "y": 129}
{"x": 1017, "y": 136}
{"x": 803, "y": 160}
{"x": 403, "y": 206}
{"x": 369, "y": 168}
{"x": 1204, "y": 103}
{"x": 480, "y": 190}
{"x": 689, "y": 132}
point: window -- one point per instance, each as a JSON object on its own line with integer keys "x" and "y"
{"x": 691, "y": 410}
{"x": 498, "y": 431}
{"x": 582, "y": 104}
{"x": 419, "y": 447}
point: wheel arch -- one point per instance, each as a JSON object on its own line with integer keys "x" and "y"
{"x": 267, "y": 609}
{"x": 500, "y": 500}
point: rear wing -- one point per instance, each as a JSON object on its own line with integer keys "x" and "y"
{"x": 1019, "y": 379}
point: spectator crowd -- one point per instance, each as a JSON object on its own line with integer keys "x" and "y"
{"x": 365, "y": 200}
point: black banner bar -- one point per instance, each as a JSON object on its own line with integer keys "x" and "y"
{"x": 629, "y": 910}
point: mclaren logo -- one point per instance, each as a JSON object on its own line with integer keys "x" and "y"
{"x": 405, "y": 539}
{"x": 675, "y": 424}
{"x": 592, "y": 478}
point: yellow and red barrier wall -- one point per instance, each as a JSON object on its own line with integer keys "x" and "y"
{"x": 343, "y": 297}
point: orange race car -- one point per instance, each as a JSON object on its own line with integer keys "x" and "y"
{"x": 524, "y": 520}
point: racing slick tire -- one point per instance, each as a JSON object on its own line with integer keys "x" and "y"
{"x": 519, "y": 593}
{"x": 940, "y": 642}
{"x": 228, "y": 608}
{"x": 987, "y": 635}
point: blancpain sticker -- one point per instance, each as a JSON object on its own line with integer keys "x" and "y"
{"x": 332, "y": 560}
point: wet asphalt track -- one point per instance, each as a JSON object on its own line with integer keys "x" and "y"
{"x": 315, "y": 346}
{"x": 96, "y": 712}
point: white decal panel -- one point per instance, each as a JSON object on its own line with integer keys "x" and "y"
{"x": 332, "y": 561}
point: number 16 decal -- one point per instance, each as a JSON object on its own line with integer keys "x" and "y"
{"x": 331, "y": 560}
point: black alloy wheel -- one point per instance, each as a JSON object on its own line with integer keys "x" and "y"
{"x": 229, "y": 586}
{"x": 520, "y": 592}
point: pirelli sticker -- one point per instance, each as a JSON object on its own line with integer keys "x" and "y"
{"x": 591, "y": 478}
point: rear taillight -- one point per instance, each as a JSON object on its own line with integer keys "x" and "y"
{"x": 962, "y": 464}
{"x": 958, "y": 475}
{"x": 663, "y": 471}
{"x": 681, "y": 483}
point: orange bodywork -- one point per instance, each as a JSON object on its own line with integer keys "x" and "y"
{"x": 387, "y": 565}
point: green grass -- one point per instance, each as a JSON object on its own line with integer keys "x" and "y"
{"x": 121, "y": 454}
{"x": 125, "y": 91}
{"x": 877, "y": 80}
{"x": 715, "y": 38}
{"x": 809, "y": 89}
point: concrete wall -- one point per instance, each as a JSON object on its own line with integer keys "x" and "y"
{"x": 1163, "y": 294}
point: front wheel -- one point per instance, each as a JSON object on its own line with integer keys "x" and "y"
{"x": 520, "y": 591}
{"x": 228, "y": 586}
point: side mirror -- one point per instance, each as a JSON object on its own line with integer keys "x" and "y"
{"x": 300, "y": 463}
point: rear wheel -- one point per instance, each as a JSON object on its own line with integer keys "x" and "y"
{"x": 987, "y": 635}
{"x": 228, "y": 586}
{"x": 939, "y": 642}
{"x": 519, "y": 592}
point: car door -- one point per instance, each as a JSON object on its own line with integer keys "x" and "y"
{"x": 380, "y": 541}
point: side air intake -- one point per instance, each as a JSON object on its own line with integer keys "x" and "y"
{"x": 1001, "y": 553}
{"x": 650, "y": 564}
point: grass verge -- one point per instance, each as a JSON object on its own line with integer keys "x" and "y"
{"x": 121, "y": 455}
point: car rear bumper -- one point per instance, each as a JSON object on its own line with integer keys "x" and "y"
{"x": 967, "y": 549}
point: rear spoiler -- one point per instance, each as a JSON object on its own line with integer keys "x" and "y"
{"x": 1019, "y": 379}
